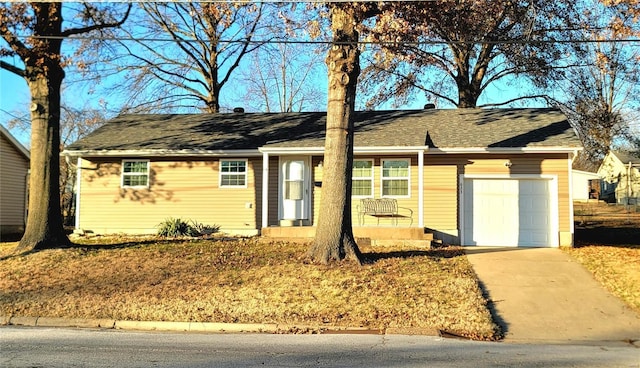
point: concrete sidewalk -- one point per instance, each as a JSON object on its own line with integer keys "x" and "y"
{"x": 542, "y": 295}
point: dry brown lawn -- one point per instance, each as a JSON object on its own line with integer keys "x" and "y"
{"x": 244, "y": 281}
{"x": 615, "y": 267}
{"x": 608, "y": 245}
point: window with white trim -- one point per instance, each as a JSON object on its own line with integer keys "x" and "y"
{"x": 135, "y": 174}
{"x": 362, "y": 178}
{"x": 395, "y": 175}
{"x": 233, "y": 173}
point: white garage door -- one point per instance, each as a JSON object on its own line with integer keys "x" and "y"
{"x": 507, "y": 212}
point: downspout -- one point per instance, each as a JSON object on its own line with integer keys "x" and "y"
{"x": 78, "y": 181}
{"x": 572, "y": 230}
{"x": 421, "y": 189}
{"x": 26, "y": 199}
{"x": 571, "y": 159}
{"x": 629, "y": 193}
{"x": 629, "y": 184}
{"x": 265, "y": 190}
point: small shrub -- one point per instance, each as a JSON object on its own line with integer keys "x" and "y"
{"x": 202, "y": 229}
{"x": 174, "y": 227}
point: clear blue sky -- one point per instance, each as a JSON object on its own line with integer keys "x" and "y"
{"x": 14, "y": 98}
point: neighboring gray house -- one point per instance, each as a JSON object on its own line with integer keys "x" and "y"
{"x": 621, "y": 177}
{"x": 14, "y": 170}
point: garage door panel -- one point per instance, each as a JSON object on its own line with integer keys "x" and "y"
{"x": 507, "y": 212}
{"x": 534, "y": 223}
{"x": 536, "y": 238}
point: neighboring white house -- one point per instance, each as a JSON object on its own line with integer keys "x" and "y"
{"x": 585, "y": 185}
{"x": 620, "y": 172}
{"x": 14, "y": 168}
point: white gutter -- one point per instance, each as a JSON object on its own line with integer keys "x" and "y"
{"x": 163, "y": 153}
{"x": 265, "y": 190}
{"x": 78, "y": 188}
{"x": 519, "y": 150}
{"x": 311, "y": 150}
{"x": 421, "y": 189}
{"x": 570, "y": 159}
{"x": 320, "y": 150}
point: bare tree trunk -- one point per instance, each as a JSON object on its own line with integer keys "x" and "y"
{"x": 44, "y": 221}
{"x": 334, "y": 239}
{"x": 44, "y": 76}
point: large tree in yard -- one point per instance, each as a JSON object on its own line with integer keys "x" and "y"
{"x": 287, "y": 83}
{"x": 601, "y": 97}
{"x": 184, "y": 53}
{"x": 334, "y": 239}
{"x": 451, "y": 51}
{"x": 34, "y": 33}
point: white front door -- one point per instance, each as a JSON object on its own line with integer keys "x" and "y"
{"x": 294, "y": 189}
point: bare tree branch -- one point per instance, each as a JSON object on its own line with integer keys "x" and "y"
{"x": 12, "y": 68}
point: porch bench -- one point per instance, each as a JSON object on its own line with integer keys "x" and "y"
{"x": 385, "y": 208}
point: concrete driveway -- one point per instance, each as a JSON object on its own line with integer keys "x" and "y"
{"x": 542, "y": 295}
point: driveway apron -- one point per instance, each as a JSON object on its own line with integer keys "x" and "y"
{"x": 543, "y": 295}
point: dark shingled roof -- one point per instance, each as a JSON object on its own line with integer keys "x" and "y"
{"x": 626, "y": 157}
{"x": 456, "y": 128}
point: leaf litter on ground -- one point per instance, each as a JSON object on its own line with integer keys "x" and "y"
{"x": 245, "y": 281}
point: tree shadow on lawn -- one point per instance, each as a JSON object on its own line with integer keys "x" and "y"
{"x": 445, "y": 252}
{"x": 602, "y": 233}
{"x": 92, "y": 247}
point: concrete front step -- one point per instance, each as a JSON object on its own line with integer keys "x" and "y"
{"x": 374, "y": 236}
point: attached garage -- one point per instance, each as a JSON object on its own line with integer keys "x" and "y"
{"x": 509, "y": 211}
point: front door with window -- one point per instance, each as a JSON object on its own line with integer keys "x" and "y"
{"x": 294, "y": 189}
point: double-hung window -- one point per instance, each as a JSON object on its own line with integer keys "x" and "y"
{"x": 135, "y": 173}
{"x": 395, "y": 178}
{"x": 362, "y": 178}
{"x": 233, "y": 173}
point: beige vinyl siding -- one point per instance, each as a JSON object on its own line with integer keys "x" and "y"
{"x": 440, "y": 194}
{"x": 186, "y": 189}
{"x": 189, "y": 189}
{"x": 442, "y": 174}
{"x": 410, "y": 202}
{"x": 14, "y": 167}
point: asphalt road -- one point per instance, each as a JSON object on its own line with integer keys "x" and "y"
{"x": 61, "y": 347}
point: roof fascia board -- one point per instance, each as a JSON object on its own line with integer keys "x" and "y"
{"x": 162, "y": 153}
{"x": 23, "y": 150}
{"x": 320, "y": 150}
{"x": 310, "y": 150}
{"x": 586, "y": 173}
{"x": 515, "y": 150}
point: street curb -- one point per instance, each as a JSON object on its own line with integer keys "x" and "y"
{"x": 207, "y": 327}
{"x": 412, "y": 331}
{"x": 22, "y": 321}
{"x": 74, "y": 322}
{"x": 56, "y": 322}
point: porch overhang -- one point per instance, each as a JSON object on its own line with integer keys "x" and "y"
{"x": 418, "y": 151}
